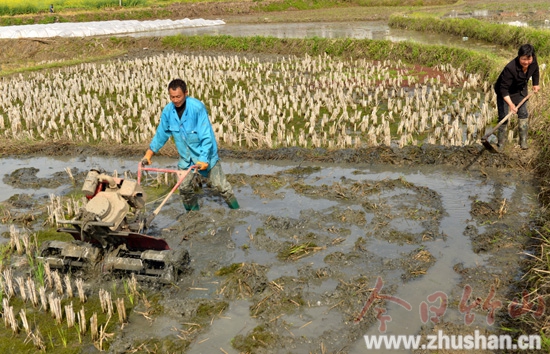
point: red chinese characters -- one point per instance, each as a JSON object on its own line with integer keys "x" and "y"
{"x": 436, "y": 305}
{"x": 437, "y": 311}
{"x": 381, "y": 312}
{"x": 466, "y": 306}
{"x": 516, "y": 309}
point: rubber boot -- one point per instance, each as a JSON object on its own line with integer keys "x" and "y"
{"x": 191, "y": 207}
{"x": 233, "y": 203}
{"x": 190, "y": 202}
{"x": 502, "y": 136}
{"x": 523, "y": 128}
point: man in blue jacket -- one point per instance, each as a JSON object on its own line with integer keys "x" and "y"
{"x": 186, "y": 120}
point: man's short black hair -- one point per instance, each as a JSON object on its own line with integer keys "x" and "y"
{"x": 177, "y": 83}
{"x": 526, "y": 50}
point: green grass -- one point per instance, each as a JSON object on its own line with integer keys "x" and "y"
{"x": 259, "y": 337}
{"x": 296, "y": 251}
{"x": 427, "y": 55}
{"x": 58, "y": 337}
{"x": 51, "y": 234}
{"x": 504, "y": 35}
{"x": 299, "y": 5}
{"x": 287, "y": 5}
{"x": 21, "y": 7}
{"x": 231, "y": 269}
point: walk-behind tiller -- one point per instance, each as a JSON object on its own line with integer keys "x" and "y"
{"x": 108, "y": 231}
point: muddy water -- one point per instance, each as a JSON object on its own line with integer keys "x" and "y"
{"x": 371, "y": 221}
{"x": 377, "y": 30}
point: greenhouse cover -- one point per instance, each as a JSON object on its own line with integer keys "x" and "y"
{"x": 97, "y": 28}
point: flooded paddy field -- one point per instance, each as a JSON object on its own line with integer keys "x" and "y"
{"x": 375, "y": 30}
{"x": 292, "y": 270}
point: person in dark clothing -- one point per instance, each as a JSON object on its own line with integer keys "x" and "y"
{"x": 511, "y": 88}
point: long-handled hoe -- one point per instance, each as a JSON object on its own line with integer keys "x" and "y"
{"x": 484, "y": 141}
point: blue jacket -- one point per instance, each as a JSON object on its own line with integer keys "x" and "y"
{"x": 193, "y": 134}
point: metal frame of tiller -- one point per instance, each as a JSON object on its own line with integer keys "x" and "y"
{"x": 181, "y": 176}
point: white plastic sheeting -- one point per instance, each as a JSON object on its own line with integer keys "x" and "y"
{"x": 84, "y": 29}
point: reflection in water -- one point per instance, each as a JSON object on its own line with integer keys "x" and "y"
{"x": 356, "y": 30}
{"x": 375, "y": 30}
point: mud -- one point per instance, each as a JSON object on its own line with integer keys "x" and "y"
{"x": 465, "y": 158}
{"x": 297, "y": 263}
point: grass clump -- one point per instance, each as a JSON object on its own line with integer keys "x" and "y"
{"x": 206, "y": 310}
{"x": 231, "y": 269}
{"x": 281, "y": 296}
{"x": 51, "y": 234}
{"x": 259, "y": 337}
{"x": 297, "y": 251}
{"x": 243, "y": 280}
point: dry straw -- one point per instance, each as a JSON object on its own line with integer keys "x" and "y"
{"x": 49, "y": 277}
{"x": 68, "y": 285}
{"x": 304, "y": 101}
{"x": 24, "y": 322}
{"x": 55, "y": 307}
{"x": 57, "y": 282}
{"x": 93, "y": 327}
{"x": 43, "y": 298}
{"x": 9, "y": 317}
{"x": 70, "y": 315}
{"x": 82, "y": 320}
{"x": 8, "y": 281}
{"x": 80, "y": 288}
{"x": 121, "y": 310}
{"x": 22, "y": 290}
{"x": 106, "y": 302}
{"x": 31, "y": 289}
{"x": 37, "y": 340}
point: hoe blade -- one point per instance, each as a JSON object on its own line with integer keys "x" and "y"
{"x": 489, "y": 147}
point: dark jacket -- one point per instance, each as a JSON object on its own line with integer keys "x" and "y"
{"x": 512, "y": 81}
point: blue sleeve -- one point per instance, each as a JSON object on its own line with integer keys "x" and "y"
{"x": 206, "y": 135}
{"x": 163, "y": 133}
